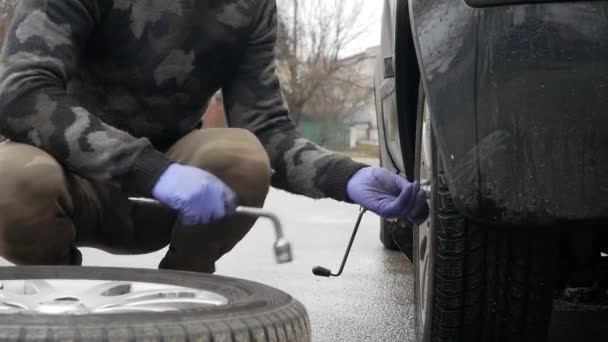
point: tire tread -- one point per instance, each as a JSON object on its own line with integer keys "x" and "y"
{"x": 490, "y": 283}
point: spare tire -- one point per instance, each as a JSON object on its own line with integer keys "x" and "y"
{"x": 120, "y": 304}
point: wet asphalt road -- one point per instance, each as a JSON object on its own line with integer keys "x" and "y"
{"x": 372, "y": 301}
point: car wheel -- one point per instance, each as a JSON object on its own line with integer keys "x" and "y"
{"x": 119, "y": 304}
{"x": 476, "y": 282}
{"x": 386, "y": 234}
{"x": 397, "y": 235}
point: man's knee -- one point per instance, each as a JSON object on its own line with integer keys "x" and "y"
{"x": 238, "y": 158}
{"x": 246, "y": 168}
{"x": 253, "y": 182}
{"x": 32, "y": 187}
{"x": 29, "y": 174}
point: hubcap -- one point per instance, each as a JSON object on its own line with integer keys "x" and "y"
{"x": 80, "y": 297}
{"x": 424, "y": 229}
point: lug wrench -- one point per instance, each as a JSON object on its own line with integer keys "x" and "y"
{"x": 320, "y": 271}
{"x": 282, "y": 247}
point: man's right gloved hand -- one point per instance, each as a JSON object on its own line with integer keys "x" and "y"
{"x": 197, "y": 195}
{"x": 388, "y": 195}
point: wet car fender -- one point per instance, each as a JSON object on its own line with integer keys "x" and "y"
{"x": 518, "y": 96}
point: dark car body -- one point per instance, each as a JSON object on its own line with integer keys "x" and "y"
{"x": 519, "y": 102}
{"x": 502, "y": 104}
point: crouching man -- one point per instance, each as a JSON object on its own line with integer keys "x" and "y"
{"x": 101, "y": 100}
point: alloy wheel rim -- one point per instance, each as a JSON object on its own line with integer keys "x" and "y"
{"x": 82, "y": 297}
{"x": 424, "y": 230}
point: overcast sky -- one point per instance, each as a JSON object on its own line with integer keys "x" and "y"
{"x": 372, "y": 14}
{"x": 370, "y": 18}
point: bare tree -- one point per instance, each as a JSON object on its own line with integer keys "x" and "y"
{"x": 344, "y": 100}
{"x": 342, "y": 93}
{"x": 313, "y": 35}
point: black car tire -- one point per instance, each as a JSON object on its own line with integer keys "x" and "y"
{"x": 399, "y": 235}
{"x": 478, "y": 282}
{"x": 386, "y": 235}
{"x": 255, "y": 312}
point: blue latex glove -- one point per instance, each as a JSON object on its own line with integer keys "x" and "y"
{"x": 388, "y": 195}
{"x": 197, "y": 195}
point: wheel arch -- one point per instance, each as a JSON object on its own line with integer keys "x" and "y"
{"x": 407, "y": 83}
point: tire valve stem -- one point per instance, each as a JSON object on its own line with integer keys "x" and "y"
{"x": 320, "y": 271}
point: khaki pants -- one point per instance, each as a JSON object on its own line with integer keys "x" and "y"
{"x": 46, "y": 212}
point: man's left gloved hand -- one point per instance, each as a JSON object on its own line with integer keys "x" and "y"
{"x": 388, "y": 195}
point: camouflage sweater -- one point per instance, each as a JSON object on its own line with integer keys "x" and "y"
{"x": 105, "y": 86}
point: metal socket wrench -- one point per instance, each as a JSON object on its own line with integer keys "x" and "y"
{"x": 282, "y": 247}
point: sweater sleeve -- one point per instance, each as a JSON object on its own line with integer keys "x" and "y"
{"x": 45, "y": 44}
{"x": 254, "y": 101}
